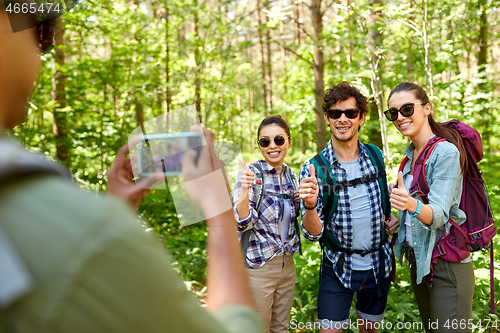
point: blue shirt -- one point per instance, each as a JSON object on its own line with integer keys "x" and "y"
{"x": 445, "y": 181}
{"x": 341, "y": 223}
{"x": 361, "y": 217}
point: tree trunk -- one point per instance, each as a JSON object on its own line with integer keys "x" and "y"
{"x": 251, "y": 100}
{"x": 167, "y": 60}
{"x": 139, "y": 114}
{"x": 269, "y": 65}
{"x": 250, "y": 114}
{"x": 482, "y": 61}
{"x": 283, "y": 55}
{"x": 262, "y": 57}
{"x": 59, "y": 95}
{"x": 410, "y": 45}
{"x": 318, "y": 67}
{"x": 377, "y": 103}
{"x": 297, "y": 23}
{"x": 197, "y": 81}
{"x": 428, "y": 64}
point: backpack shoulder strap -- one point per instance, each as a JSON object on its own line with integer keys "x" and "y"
{"x": 290, "y": 175}
{"x": 292, "y": 179}
{"x": 17, "y": 163}
{"x": 260, "y": 186}
{"x": 419, "y": 178}
{"x": 330, "y": 195}
{"x": 377, "y": 159}
{"x": 403, "y": 163}
{"x": 260, "y": 191}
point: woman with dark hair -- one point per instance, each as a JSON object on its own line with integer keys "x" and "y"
{"x": 445, "y": 301}
{"x": 267, "y": 223}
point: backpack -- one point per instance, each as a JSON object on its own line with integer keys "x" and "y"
{"x": 331, "y": 189}
{"x": 15, "y": 164}
{"x": 260, "y": 192}
{"x": 477, "y": 232}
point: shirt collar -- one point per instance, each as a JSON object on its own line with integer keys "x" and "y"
{"x": 266, "y": 167}
{"x": 411, "y": 147}
{"x": 331, "y": 158}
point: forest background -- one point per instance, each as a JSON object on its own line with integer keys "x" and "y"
{"x": 119, "y": 63}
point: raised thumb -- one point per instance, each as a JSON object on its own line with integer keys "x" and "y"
{"x": 401, "y": 184}
{"x": 243, "y": 164}
{"x": 312, "y": 171}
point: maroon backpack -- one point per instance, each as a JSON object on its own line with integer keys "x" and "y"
{"x": 477, "y": 232}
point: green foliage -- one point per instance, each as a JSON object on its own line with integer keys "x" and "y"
{"x": 187, "y": 244}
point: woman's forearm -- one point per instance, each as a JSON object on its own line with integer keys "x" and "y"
{"x": 426, "y": 215}
{"x": 243, "y": 205}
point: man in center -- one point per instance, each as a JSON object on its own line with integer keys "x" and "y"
{"x": 344, "y": 205}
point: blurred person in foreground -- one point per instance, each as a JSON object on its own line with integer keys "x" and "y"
{"x": 73, "y": 262}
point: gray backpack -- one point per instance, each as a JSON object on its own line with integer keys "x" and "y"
{"x": 17, "y": 163}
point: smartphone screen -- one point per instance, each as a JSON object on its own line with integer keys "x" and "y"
{"x": 164, "y": 152}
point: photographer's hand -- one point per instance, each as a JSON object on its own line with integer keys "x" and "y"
{"x": 121, "y": 178}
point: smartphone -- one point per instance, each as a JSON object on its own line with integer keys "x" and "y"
{"x": 164, "y": 152}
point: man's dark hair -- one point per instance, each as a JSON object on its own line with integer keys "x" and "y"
{"x": 342, "y": 91}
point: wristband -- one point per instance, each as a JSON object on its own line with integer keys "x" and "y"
{"x": 305, "y": 206}
{"x": 417, "y": 211}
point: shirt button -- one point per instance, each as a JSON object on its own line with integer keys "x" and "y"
{"x": 415, "y": 243}
{"x": 413, "y": 224}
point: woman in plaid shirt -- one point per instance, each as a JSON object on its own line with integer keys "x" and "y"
{"x": 273, "y": 234}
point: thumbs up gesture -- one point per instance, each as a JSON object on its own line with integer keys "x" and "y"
{"x": 247, "y": 177}
{"x": 400, "y": 199}
{"x": 308, "y": 188}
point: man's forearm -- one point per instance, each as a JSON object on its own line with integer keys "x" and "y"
{"x": 227, "y": 282}
{"x": 312, "y": 222}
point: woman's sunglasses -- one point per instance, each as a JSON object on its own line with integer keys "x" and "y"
{"x": 278, "y": 140}
{"x": 406, "y": 110}
{"x": 336, "y": 113}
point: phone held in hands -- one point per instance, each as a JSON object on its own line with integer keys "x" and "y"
{"x": 164, "y": 152}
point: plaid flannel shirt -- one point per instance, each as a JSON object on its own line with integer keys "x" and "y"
{"x": 265, "y": 242}
{"x": 341, "y": 222}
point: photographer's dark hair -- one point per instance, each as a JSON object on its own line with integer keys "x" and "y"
{"x": 274, "y": 120}
{"x": 442, "y": 131}
{"x": 342, "y": 91}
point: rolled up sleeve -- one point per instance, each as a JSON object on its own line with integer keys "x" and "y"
{"x": 445, "y": 183}
{"x": 248, "y": 221}
{"x": 304, "y": 173}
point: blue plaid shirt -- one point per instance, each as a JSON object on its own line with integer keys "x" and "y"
{"x": 265, "y": 242}
{"x": 341, "y": 222}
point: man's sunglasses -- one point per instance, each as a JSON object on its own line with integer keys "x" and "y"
{"x": 406, "y": 110}
{"x": 336, "y": 113}
{"x": 278, "y": 140}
